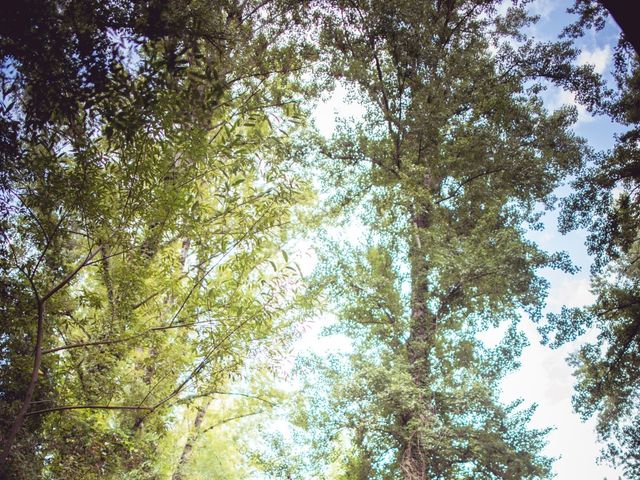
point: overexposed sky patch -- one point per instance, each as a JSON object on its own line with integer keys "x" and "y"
{"x": 334, "y": 107}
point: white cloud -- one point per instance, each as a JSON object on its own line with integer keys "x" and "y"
{"x": 599, "y": 58}
{"x": 558, "y": 386}
{"x": 561, "y": 97}
{"x": 545, "y": 379}
{"x": 557, "y": 97}
{"x": 543, "y": 8}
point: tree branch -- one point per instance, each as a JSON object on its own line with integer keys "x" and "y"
{"x": 89, "y": 407}
{"x": 127, "y": 338}
{"x": 70, "y": 275}
{"x": 227, "y": 420}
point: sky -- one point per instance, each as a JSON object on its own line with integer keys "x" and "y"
{"x": 544, "y": 377}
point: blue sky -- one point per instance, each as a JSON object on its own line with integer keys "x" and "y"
{"x": 544, "y": 377}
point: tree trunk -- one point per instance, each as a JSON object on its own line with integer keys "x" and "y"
{"x": 414, "y": 462}
{"x": 19, "y": 420}
{"x": 624, "y": 12}
{"x": 194, "y": 434}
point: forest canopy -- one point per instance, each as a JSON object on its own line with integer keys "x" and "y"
{"x": 161, "y": 176}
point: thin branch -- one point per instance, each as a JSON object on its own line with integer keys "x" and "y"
{"x": 613, "y": 364}
{"x": 194, "y": 373}
{"x": 31, "y": 214}
{"x": 89, "y": 407}
{"x": 254, "y": 10}
{"x": 127, "y": 338}
{"x": 150, "y": 297}
{"x": 227, "y": 420}
{"x": 70, "y": 276}
{"x": 217, "y": 392}
{"x": 49, "y": 241}
{"x": 19, "y": 267}
{"x": 616, "y": 308}
{"x": 467, "y": 181}
{"x": 215, "y": 264}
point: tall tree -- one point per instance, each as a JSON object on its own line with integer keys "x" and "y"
{"x": 145, "y": 195}
{"x": 444, "y": 171}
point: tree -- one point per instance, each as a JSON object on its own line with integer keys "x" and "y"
{"x": 148, "y": 187}
{"x": 443, "y": 173}
{"x": 141, "y": 252}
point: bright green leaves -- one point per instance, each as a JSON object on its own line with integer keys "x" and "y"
{"x": 154, "y": 218}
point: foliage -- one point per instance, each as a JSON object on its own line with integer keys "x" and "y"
{"x": 453, "y": 154}
{"x": 155, "y": 163}
{"x": 144, "y": 209}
